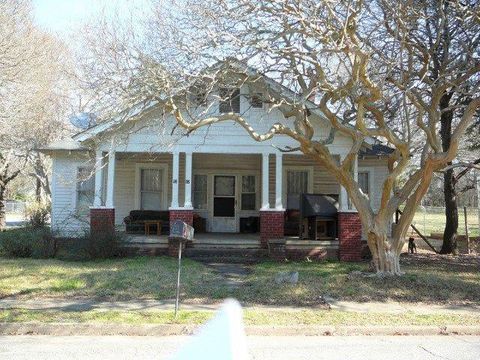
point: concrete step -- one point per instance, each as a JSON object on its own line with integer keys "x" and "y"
{"x": 225, "y": 253}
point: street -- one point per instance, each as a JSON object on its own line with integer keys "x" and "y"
{"x": 278, "y": 348}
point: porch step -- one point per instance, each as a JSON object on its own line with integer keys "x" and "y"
{"x": 230, "y": 255}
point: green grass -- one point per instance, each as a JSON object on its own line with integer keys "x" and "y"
{"x": 432, "y": 220}
{"x": 116, "y": 279}
{"x": 251, "y": 317}
{"x": 430, "y": 279}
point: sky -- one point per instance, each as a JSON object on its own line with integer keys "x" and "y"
{"x": 65, "y": 17}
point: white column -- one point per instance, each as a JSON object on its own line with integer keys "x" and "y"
{"x": 110, "y": 180}
{"x": 97, "y": 202}
{"x": 265, "y": 178}
{"x": 175, "y": 176}
{"x": 278, "y": 181}
{"x": 343, "y": 196}
{"x": 355, "y": 177}
{"x": 188, "y": 180}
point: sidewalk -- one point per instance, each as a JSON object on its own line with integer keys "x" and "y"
{"x": 154, "y": 305}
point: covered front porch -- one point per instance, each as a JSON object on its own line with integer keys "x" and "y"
{"x": 235, "y": 201}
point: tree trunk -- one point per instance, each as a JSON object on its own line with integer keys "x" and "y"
{"x": 385, "y": 257}
{"x": 2, "y": 209}
{"x": 449, "y": 245}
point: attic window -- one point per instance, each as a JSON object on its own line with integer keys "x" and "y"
{"x": 256, "y": 101}
{"x": 198, "y": 97}
{"x": 229, "y": 100}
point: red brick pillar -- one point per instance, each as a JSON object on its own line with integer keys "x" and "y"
{"x": 102, "y": 220}
{"x": 271, "y": 226}
{"x": 349, "y": 236}
{"x": 185, "y": 216}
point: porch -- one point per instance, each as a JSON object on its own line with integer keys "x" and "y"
{"x": 240, "y": 197}
{"x": 246, "y": 246}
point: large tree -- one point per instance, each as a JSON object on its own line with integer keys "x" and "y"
{"x": 33, "y": 96}
{"x": 365, "y": 65}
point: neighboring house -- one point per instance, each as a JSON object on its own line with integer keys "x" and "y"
{"x": 219, "y": 174}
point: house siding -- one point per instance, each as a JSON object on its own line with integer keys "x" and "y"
{"x": 64, "y": 219}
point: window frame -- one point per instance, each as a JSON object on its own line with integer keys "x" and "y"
{"x": 206, "y": 192}
{"x": 254, "y": 193}
{"x": 91, "y": 171}
{"x": 371, "y": 174}
{"x": 138, "y": 182}
{"x": 227, "y": 101}
{"x": 286, "y": 168}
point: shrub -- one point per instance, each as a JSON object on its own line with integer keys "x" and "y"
{"x": 104, "y": 245}
{"x": 38, "y": 213}
{"x": 28, "y": 242}
{"x": 97, "y": 246}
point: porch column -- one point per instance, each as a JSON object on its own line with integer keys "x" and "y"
{"x": 265, "y": 179}
{"x": 175, "y": 176}
{"x": 110, "y": 180}
{"x": 278, "y": 181}
{"x": 355, "y": 177}
{"x": 188, "y": 181}
{"x": 97, "y": 202}
{"x": 343, "y": 196}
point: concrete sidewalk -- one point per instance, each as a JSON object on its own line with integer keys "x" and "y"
{"x": 166, "y": 305}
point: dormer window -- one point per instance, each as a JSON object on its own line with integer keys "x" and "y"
{"x": 198, "y": 97}
{"x": 256, "y": 101}
{"x": 229, "y": 100}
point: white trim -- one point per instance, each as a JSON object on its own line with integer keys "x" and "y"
{"x": 160, "y": 166}
{"x": 175, "y": 180}
{"x": 279, "y": 181}
{"x": 97, "y": 201}
{"x": 265, "y": 181}
{"x": 111, "y": 180}
{"x": 286, "y": 168}
{"x": 371, "y": 176}
{"x": 188, "y": 181}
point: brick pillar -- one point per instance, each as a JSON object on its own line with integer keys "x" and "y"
{"x": 185, "y": 216}
{"x": 102, "y": 220}
{"x": 271, "y": 226}
{"x": 349, "y": 236}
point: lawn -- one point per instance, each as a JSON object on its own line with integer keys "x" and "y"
{"x": 432, "y": 220}
{"x": 430, "y": 279}
{"x": 251, "y": 317}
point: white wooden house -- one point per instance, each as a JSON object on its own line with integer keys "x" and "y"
{"x": 219, "y": 174}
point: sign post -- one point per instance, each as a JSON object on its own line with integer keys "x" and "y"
{"x": 180, "y": 232}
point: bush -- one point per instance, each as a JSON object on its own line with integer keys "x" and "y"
{"x": 38, "y": 213}
{"x": 28, "y": 242}
{"x": 98, "y": 246}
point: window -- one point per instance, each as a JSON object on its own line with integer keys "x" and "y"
{"x": 198, "y": 97}
{"x": 229, "y": 100}
{"x": 248, "y": 193}
{"x": 297, "y": 184}
{"x": 200, "y": 191}
{"x": 151, "y": 189}
{"x": 256, "y": 101}
{"x": 85, "y": 189}
{"x": 364, "y": 181}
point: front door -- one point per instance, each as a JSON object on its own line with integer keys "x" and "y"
{"x": 224, "y": 203}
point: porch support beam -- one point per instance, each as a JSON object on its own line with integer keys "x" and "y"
{"x": 97, "y": 202}
{"x": 265, "y": 179}
{"x": 188, "y": 181}
{"x": 278, "y": 181}
{"x": 110, "y": 180}
{"x": 175, "y": 178}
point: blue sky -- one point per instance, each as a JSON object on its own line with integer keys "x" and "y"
{"x": 66, "y": 16}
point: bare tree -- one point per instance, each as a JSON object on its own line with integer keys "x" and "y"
{"x": 365, "y": 66}
{"x": 33, "y": 95}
